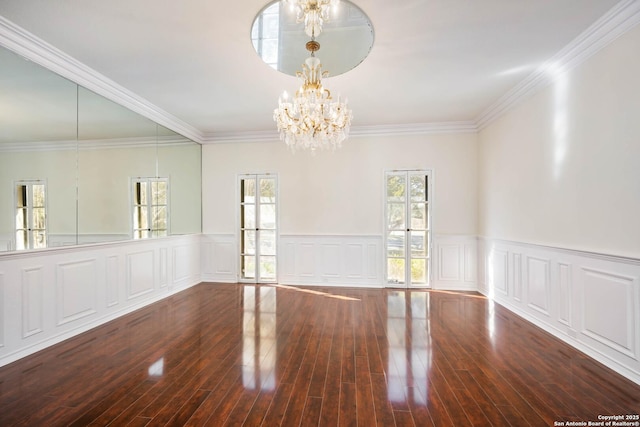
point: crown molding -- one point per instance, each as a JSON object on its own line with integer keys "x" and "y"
{"x": 356, "y": 131}
{"x": 94, "y": 144}
{"x": 618, "y": 20}
{"x": 37, "y": 50}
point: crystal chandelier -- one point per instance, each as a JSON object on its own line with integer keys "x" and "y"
{"x": 312, "y": 119}
{"x": 313, "y": 13}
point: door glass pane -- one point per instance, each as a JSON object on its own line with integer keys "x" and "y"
{"x": 141, "y": 218}
{"x": 159, "y": 218}
{"x": 39, "y": 239}
{"x": 267, "y": 242}
{"x": 21, "y": 239}
{"x": 248, "y": 216}
{"x": 21, "y": 218}
{"x": 159, "y": 192}
{"x": 38, "y": 196}
{"x": 21, "y": 196}
{"x": 395, "y": 270}
{"x": 396, "y": 185}
{"x": 418, "y": 191}
{"x": 139, "y": 193}
{"x": 395, "y": 243}
{"x": 267, "y": 190}
{"x": 249, "y": 242}
{"x": 396, "y": 216}
{"x": 268, "y": 267}
{"x": 268, "y": 217}
{"x": 248, "y": 190}
{"x": 38, "y": 218}
{"x": 419, "y": 270}
{"x": 419, "y": 246}
{"x": 249, "y": 267}
{"x": 418, "y": 216}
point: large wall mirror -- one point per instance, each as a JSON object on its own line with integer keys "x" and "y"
{"x": 77, "y": 168}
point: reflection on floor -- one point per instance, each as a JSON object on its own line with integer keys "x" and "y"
{"x": 220, "y": 354}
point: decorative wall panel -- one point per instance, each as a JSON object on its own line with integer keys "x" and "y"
{"x": 449, "y": 262}
{"x": 75, "y": 289}
{"x": 564, "y": 294}
{"x": 517, "y": 277}
{"x": 32, "y": 295}
{"x": 140, "y": 273}
{"x": 163, "y": 279}
{"x": 112, "y": 280}
{"x": 538, "y": 284}
{"x": 180, "y": 264}
{"x": 608, "y": 312}
{"x": 499, "y": 271}
{"x": 454, "y": 262}
{"x": 356, "y": 259}
{"x": 219, "y": 255}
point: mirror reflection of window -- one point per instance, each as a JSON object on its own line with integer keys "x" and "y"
{"x": 30, "y": 215}
{"x": 259, "y": 338}
{"x": 409, "y": 337}
{"x": 150, "y": 207}
{"x": 265, "y": 35}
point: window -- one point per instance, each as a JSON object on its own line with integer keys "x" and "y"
{"x": 265, "y": 35}
{"x": 31, "y": 215}
{"x": 150, "y": 207}
{"x": 258, "y": 228}
{"x": 408, "y": 228}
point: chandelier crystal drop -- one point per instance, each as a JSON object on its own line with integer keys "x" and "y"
{"x": 314, "y": 13}
{"x": 312, "y": 120}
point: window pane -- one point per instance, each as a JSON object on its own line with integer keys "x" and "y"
{"x": 248, "y": 217}
{"x": 268, "y": 267}
{"x": 396, "y": 216}
{"x": 248, "y": 190}
{"x": 395, "y": 270}
{"x": 268, "y": 217}
{"x": 419, "y": 270}
{"x": 419, "y": 246}
{"x": 141, "y": 218}
{"x": 395, "y": 243}
{"x": 38, "y": 195}
{"x": 38, "y": 218}
{"x": 395, "y": 188}
{"x": 39, "y": 239}
{"x": 267, "y": 242}
{"x": 21, "y": 218}
{"x": 418, "y": 216}
{"x": 248, "y": 267}
{"x": 21, "y": 239}
{"x": 248, "y": 242}
{"x": 159, "y": 192}
{"x": 159, "y": 218}
{"x": 139, "y": 193}
{"x": 418, "y": 191}
{"x": 267, "y": 190}
{"x": 21, "y": 196}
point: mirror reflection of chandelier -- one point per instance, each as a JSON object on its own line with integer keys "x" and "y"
{"x": 312, "y": 119}
{"x": 313, "y": 13}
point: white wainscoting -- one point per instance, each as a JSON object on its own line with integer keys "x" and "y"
{"x": 342, "y": 260}
{"x": 454, "y": 262}
{"x": 590, "y": 301}
{"x": 338, "y": 260}
{"x": 219, "y": 258}
{"x": 58, "y": 293}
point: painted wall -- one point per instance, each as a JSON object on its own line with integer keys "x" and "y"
{"x": 563, "y": 168}
{"x": 342, "y": 193}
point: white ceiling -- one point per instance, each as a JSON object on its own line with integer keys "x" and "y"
{"x": 432, "y": 61}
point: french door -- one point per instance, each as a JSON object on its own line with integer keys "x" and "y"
{"x": 258, "y": 228}
{"x": 408, "y": 232}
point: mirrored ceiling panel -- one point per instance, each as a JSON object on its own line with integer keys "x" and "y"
{"x": 279, "y": 39}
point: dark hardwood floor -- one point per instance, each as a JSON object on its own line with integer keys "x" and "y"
{"x": 220, "y": 354}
